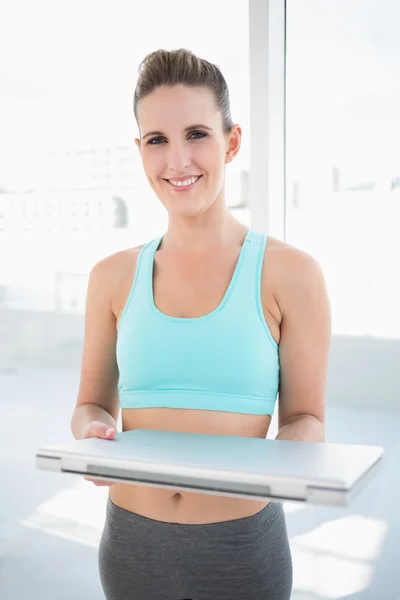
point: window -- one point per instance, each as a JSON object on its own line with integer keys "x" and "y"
{"x": 343, "y": 127}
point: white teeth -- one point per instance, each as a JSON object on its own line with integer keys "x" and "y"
{"x": 189, "y": 181}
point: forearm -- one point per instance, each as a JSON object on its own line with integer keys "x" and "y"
{"x": 87, "y": 413}
{"x": 304, "y": 428}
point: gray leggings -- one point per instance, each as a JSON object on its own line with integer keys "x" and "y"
{"x": 241, "y": 559}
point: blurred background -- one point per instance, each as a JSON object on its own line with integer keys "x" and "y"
{"x": 72, "y": 191}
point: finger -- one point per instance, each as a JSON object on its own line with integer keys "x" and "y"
{"x": 103, "y": 483}
{"x": 99, "y": 482}
{"x": 101, "y": 430}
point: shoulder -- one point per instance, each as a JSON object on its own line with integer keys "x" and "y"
{"x": 112, "y": 266}
{"x": 291, "y": 273}
{"x": 288, "y": 263}
{"x": 110, "y": 273}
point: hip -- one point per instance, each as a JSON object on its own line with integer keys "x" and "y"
{"x": 145, "y": 558}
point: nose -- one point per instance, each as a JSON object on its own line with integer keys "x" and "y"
{"x": 178, "y": 157}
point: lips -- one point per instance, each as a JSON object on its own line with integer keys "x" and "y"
{"x": 183, "y": 187}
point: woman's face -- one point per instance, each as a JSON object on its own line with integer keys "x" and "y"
{"x": 182, "y": 142}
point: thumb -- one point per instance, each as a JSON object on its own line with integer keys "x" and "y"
{"x": 110, "y": 433}
{"x": 102, "y": 430}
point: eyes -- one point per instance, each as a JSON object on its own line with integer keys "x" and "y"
{"x": 156, "y": 140}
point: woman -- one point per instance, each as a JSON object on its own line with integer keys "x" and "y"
{"x": 198, "y": 331}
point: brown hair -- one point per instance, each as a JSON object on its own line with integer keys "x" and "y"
{"x": 174, "y": 67}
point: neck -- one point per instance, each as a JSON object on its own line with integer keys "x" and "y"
{"x": 197, "y": 237}
{"x": 213, "y": 228}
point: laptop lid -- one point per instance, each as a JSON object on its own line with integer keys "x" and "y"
{"x": 224, "y": 465}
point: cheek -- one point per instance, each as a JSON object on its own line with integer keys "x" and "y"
{"x": 209, "y": 157}
{"x": 152, "y": 163}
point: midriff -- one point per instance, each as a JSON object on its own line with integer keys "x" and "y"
{"x": 164, "y": 504}
{"x": 176, "y": 506}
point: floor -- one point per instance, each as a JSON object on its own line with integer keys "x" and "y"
{"x": 50, "y": 524}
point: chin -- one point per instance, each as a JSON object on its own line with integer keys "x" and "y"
{"x": 185, "y": 206}
{"x": 185, "y": 212}
{"x": 190, "y": 209}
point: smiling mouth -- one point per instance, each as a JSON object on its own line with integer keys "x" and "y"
{"x": 184, "y": 184}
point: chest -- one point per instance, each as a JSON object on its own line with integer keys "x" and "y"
{"x": 192, "y": 287}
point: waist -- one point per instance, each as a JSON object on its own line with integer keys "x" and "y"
{"x": 163, "y": 503}
{"x": 195, "y": 399}
{"x": 178, "y": 506}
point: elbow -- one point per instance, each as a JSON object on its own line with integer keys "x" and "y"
{"x": 304, "y": 427}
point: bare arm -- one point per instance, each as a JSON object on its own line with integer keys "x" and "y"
{"x": 304, "y": 349}
{"x": 97, "y": 397}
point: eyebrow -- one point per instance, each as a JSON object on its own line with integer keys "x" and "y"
{"x": 197, "y": 126}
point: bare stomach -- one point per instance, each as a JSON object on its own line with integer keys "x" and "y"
{"x": 176, "y": 506}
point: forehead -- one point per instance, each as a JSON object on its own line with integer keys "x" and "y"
{"x": 177, "y": 105}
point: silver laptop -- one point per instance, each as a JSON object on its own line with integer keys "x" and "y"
{"x": 253, "y": 468}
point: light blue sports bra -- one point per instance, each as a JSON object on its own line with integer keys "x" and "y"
{"x": 226, "y": 360}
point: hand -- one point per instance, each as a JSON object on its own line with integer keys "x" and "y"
{"x": 97, "y": 429}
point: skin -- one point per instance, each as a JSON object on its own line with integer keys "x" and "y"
{"x": 192, "y": 271}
